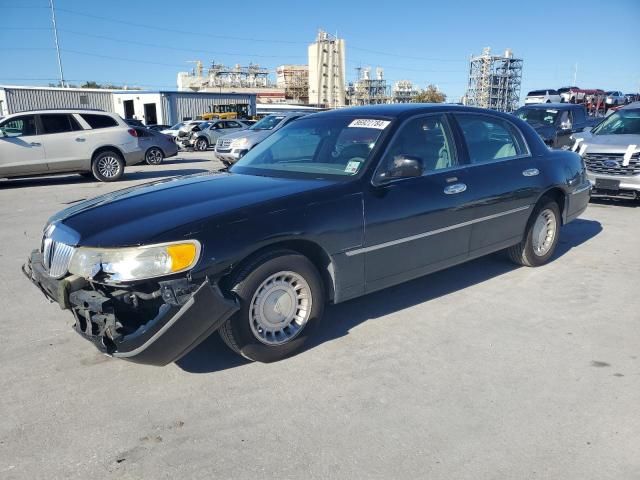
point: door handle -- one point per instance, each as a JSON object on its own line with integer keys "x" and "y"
{"x": 35, "y": 144}
{"x": 455, "y": 188}
{"x": 531, "y": 172}
{"x": 80, "y": 139}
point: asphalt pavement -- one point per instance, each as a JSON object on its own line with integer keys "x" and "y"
{"x": 482, "y": 371}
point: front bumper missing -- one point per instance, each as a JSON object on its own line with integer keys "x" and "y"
{"x": 187, "y": 314}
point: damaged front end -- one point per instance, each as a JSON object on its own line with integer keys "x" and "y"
{"x": 152, "y": 322}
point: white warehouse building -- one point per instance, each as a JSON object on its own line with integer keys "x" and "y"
{"x": 151, "y": 107}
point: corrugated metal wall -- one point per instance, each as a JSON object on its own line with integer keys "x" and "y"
{"x": 21, "y": 99}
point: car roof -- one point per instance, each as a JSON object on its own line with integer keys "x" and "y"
{"x": 397, "y": 110}
{"x": 555, "y": 106}
{"x": 64, "y": 110}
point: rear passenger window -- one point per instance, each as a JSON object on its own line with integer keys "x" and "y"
{"x": 58, "y": 123}
{"x": 99, "y": 121}
{"x": 489, "y": 139}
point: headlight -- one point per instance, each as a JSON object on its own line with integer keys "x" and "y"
{"x": 135, "y": 263}
{"x": 240, "y": 142}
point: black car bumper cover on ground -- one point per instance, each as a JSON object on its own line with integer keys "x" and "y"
{"x": 188, "y": 314}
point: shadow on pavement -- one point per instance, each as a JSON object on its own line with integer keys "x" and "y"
{"x": 615, "y": 202}
{"x": 213, "y": 355}
{"x": 75, "y": 179}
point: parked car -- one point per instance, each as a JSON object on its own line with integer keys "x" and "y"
{"x": 89, "y": 142}
{"x": 556, "y": 122}
{"x": 615, "y": 97}
{"x": 631, "y": 97}
{"x": 184, "y": 133}
{"x": 133, "y": 122}
{"x": 611, "y": 152}
{"x": 335, "y": 205}
{"x": 156, "y": 146}
{"x": 174, "y": 130}
{"x": 158, "y": 127}
{"x": 543, "y": 96}
{"x": 230, "y": 148}
{"x": 207, "y": 134}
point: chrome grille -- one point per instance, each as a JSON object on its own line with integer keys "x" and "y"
{"x": 56, "y": 257}
{"x": 223, "y": 143}
{"x": 612, "y": 164}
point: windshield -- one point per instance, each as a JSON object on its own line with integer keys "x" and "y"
{"x": 622, "y": 122}
{"x": 267, "y": 123}
{"x": 315, "y": 147}
{"x": 537, "y": 93}
{"x": 546, "y": 116}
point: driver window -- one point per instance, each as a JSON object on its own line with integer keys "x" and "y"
{"x": 20, "y": 126}
{"x": 426, "y": 138}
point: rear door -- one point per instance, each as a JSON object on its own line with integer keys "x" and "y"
{"x": 504, "y": 180}
{"x": 418, "y": 224}
{"x": 21, "y": 148}
{"x": 64, "y": 140}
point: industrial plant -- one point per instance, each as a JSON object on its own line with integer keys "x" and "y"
{"x": 494, "y": 81}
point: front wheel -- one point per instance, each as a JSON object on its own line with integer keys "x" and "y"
{"x": 154, "y": 156}
{"x": 201, "y": 144}
{"x": 281, "y": 299}
{"x": 541, "y": 236}
{"x": 107, "y": 166}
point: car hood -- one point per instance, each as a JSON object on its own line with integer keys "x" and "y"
{"x": 254, "y": 136}
{"x": 148, "y": 213}
{"x": 610, "y": 143}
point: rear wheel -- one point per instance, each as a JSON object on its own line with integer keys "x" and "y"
{"x": 541, "y": 236}
{"x": 281, "y": 302}
{"x": 107, "y": 166}
{"x": 154, "y": 156}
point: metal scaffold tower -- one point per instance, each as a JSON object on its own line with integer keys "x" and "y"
{"x": 367, "y": 90}
{"x": 494, "y": 81}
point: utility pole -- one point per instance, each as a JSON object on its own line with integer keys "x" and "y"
{"x": 55, "y": 36}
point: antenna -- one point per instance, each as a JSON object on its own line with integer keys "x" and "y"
{"x": 55, "y": 36}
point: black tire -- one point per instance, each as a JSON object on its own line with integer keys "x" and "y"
{"x": 237, "y": 333}
{"x": 524, "y": 253}
{"x": 111, "y": 159}
{"x": 154, "y": 156}
{"x": 201, "y": 144}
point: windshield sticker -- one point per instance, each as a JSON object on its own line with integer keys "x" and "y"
{"x": 369, "y": 123}
{"x": 627, "y": 155}
{"x": 352, "y": 167}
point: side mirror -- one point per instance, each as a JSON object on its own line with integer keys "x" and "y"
{"x": 404, "y": 166}
{"x": 565, "y": 126}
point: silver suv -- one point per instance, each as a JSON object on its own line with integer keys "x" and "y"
{"x": 232, "y": 147}
{"x": 611, "y": 152}
{"x": 89, "y": 142}
{"x": 207, "y": 133}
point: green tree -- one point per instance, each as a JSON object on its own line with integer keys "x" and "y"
{"x": 430, "y": 95}
{"x": 91, "y": 84}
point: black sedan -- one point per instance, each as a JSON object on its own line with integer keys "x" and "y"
{"x": 334, "y": 206}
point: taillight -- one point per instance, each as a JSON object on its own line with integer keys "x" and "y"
{"x": 132, "y": 132}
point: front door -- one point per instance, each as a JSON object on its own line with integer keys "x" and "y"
{"x": 129, "y": 111}
{"x": 21, "y": 148}
{"x": 504, "y": 180}
{"x": 419, "y": 224}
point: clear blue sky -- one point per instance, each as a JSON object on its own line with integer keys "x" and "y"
{"x": 147, "y": 43}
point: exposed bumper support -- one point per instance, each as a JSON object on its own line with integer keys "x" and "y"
{"x": 184, "y": 317}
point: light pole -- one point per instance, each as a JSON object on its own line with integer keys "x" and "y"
{"x": 55, "y": 36}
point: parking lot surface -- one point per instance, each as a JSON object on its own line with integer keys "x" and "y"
{"x": 482, "y": 371}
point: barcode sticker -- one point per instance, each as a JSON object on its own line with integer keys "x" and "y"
{"x": 369, "y": 123}
{"x": 352, "y": 167}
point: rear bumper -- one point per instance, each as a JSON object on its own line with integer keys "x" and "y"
{"x": 187, "y": 314}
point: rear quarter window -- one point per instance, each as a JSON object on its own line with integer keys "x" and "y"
{"x": 99, "y": 121}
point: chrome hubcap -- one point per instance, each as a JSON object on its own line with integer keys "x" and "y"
{"x": 108, "y": 166}
{"x": 280, "y": 308}
{"x": 154, "y": 156}
{"x": 202, "y": 145}
{"x": 544, "y": 232}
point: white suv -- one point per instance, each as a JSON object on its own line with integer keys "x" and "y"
{"x": 542, "y": 96}
{"x": 89, "y": 142}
